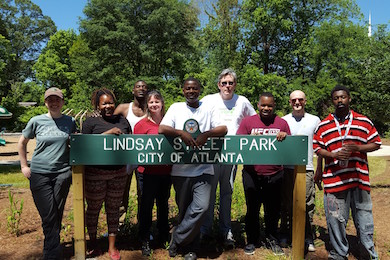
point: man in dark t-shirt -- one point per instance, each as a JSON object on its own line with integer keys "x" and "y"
{"x": 262, "y": 183}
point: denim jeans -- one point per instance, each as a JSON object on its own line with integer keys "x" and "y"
{"x": 337, "y": 206}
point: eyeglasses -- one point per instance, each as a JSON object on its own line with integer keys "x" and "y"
{"x": 225, "y": 83}
{"x": 295, "y": 100}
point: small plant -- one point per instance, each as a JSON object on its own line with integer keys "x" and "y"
{"x": 65, "y": 230}
{"x": 14, "y": 214}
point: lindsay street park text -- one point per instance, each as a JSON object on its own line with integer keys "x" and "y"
{"x": 159, "y": 149}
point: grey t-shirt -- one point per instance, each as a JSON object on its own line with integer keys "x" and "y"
{"x": 51, "y": 155}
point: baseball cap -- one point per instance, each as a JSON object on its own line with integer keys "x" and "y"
{"x": 54, "y": 92}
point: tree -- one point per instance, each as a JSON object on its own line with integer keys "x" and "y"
{"x": 5, "y": 58}
{"x": 373, "y": 76}
{"x": 27, "y": 30}
{"x": 278, "y": 31}
{"x": 53, "y": 67}
{"x": 222, "y": 35}
{"x": 254, "y": 82}
{"x": 137, "y": 39}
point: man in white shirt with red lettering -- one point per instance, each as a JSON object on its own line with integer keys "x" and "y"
{"x": 262, "y": 183}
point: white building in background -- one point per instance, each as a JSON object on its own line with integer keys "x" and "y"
{"x": 369, "y": 25}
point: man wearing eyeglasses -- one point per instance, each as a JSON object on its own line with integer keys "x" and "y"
{"x": 300, "y": 123}
{"x": 231, "y": 109}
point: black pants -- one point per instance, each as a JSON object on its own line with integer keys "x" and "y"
{"x": 49, "y": 192}
{"x": 261, "y": 190}
{"x": 154, "y": 187}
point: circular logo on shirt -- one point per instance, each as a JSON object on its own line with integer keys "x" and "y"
{"x": 191, "y": 126}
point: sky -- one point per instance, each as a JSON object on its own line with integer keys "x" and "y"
{"x": 66, "y": 13}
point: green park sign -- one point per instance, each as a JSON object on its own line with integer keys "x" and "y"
{"x": 159, "y": 149}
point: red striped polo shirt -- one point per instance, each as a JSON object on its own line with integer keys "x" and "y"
{"x": 326, "y": 136}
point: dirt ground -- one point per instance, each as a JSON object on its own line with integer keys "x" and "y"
{"x": 30, "y": 243}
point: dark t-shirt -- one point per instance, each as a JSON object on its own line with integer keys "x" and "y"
{"x": 253, "y": 125}
{"x": 98, "y": 125}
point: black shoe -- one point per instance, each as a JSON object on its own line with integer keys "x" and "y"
{"x": 163, "y": 239}
{"x": 190, "y": 256}
{"x": 146, "y": 251}
{"x": 272, "y": 244}
{"x": 205, "y": 239}
{"x": 229, "y": 241}
{"x": 249, "y": 249}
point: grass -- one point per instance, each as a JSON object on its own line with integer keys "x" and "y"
{"x": 12, "y": 175}
{"x": 377, "y": 166}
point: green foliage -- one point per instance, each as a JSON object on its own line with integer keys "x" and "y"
{"x": 31, "y": 112}
{"x": 29, "y": 91}
{"x": 254, "y": 82}
{"x": 81, "y": 98}
{"x": 11, "y": 175}
{"x": 129, "y": 40}
{"x": 53, "y": 67}
{"x": 27, "y": 30}
{"x": 11, "y": 103}
{"x": 6, "y": 57}
{"x": 222, "y": 35}
{"x": 274, "y": 45}
{"x": 277, "y": 31}
{"x": 65, "y": 230}
{"x": 14, "y": 214}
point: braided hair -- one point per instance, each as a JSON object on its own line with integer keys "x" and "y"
{"x": 98, "y": 93}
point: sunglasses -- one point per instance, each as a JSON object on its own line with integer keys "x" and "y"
{"x": 295, "y": 100}
{"x": 225, "y": 83}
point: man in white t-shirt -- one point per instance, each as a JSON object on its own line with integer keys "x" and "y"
{"x": 230, "y": 109}
{"x": 300, "y": 123}
{"x": 192, "y": 182}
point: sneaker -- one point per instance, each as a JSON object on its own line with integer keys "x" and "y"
{"x": 274, "y": 246}
{"x": 249, "y": 249}
{"x": 229, "y": 240}
{"x": 311, "y": 247}
{"x": 309, "y": 243}
{"x": 146, "y": 251}
{"x": 190, "y": 256}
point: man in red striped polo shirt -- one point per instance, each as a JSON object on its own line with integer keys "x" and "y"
{"x": 343, "y": 138}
